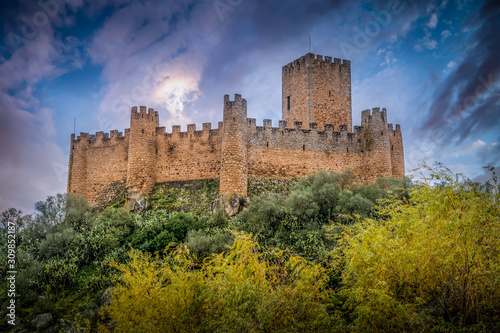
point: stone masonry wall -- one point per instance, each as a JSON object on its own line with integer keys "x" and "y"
{"x": 317, "y": 90}
{"x": 188, "y": 155}
{"x": 96, "y": 161}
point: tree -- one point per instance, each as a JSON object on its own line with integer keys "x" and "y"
{"x": 434, "y": 262}
{"x": 238, "y": 290}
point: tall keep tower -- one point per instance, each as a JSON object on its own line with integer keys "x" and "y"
{"x": 317, "y": 90}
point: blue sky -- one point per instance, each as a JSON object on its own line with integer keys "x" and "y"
{"x": 433, "y": 65}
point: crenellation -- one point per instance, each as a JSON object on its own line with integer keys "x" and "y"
{"x": 315, "y": 133}
{"x": 161, "y": 131}
{"x": 207, "y": 127}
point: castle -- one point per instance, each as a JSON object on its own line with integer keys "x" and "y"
{"x": 315, "y": 134}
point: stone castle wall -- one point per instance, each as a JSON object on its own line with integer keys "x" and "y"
{"x": 96, "y": 161}
{"x": 239, "y": 150}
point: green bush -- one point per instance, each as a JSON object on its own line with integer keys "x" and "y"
{"x": 202, "y": 245}
{"x": 432, "y": 265}
{"x": 159, "y": 228}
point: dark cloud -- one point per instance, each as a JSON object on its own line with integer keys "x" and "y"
{"x": 468, "y": 101}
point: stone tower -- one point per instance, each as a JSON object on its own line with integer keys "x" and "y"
{"x": 142, "y": 151}
{"x": 317, "y": 90}
{"x": 377, "y": 143}
{"x": 234, "y": 163}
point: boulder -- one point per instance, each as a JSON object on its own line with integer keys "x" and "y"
{"x": 43, "y": 320}
{"x": 106, "y": 296}
{"x": 231, "y": 203}
{"x": 141, "y": 205}
{"x": 67, "y": 326}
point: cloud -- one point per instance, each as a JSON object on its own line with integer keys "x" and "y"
{"x": 151, "y": 55}
{"x": 467, "y": 150}
{"x": 432, "y": 21}
{"x": 451, "y": 65}
{"x": 490, "y": 153}
{"x": 425, "y": 42}
{"x": 466, "y": 103}
{"x": 445, "y": 34}
{"x": 31, "y": 163}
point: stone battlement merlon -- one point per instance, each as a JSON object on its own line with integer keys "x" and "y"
{"x": 310, "y": 139}
{"x": 394, "y": 130}
{"x": 98, "y": 136}
{"x": 237, "y": 100}
{"x": 307, "y": 139}
{"x": 149, "y": 113}
{"x": 267, "y": 124}
{"x": 191, "y": 132}
{"x": 313, "y": 59}
{"x": 368, "y": 116}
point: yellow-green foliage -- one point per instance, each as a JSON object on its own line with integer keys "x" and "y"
{"x": 435, "y": 262}
{"x": 235, "y": 291}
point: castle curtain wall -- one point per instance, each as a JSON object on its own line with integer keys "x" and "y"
{"x": 316, "y": 134}
{"x": 188, "y": 155}
{"x": 96, "y": 161}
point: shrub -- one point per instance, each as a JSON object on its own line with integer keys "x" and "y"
{"x": 434, "y": 262}
{"x": 159, "y": 228}
{"x": 237, "y": 290}
{"x": 202, "y": 245}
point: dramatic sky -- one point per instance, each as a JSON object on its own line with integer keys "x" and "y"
{"x": 434, "y": 65}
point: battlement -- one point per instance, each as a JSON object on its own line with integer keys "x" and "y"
{"x": 312, "y": 59}
{"x": 238, "y": 100}
{"x": 142, "y": 113}
{"x": 191, "y": 133}
{"x": 374, "y": 117}
{"x": 99, "y": 137}
{"x": 311, "y": 139}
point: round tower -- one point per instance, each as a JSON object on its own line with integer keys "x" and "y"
{"x": 142, "y": 151}
{"x": 378, "y": 146}
{"x": 234, "y": 163}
